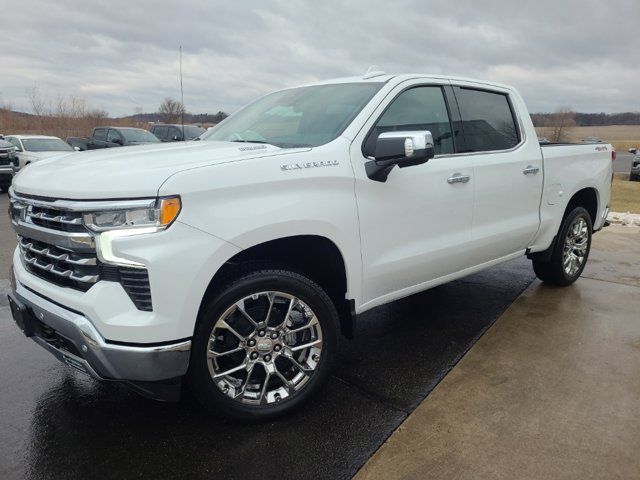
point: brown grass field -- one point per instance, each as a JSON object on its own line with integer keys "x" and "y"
{"x": 623, "y": 137}
{"x": 625, "y": 195}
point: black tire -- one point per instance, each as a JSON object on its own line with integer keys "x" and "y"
{"x": 553, "y": 271}
{"x": 210, "y": 393}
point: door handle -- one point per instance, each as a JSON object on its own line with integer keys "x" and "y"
{"x": 530, "y": 170}
{"x": 458, "y": 178}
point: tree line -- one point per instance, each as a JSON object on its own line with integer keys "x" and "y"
{"x": 589, "y": 119}
{"x": 71, "y": 116}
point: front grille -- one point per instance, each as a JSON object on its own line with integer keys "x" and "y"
{"x": 66, "y": 221}
{"x": 56, "y": 246}
{"x": 59, "y": 266}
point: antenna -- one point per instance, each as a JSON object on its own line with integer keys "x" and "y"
{"x": 372, "y": 72}
{"x": 181, "y": 97}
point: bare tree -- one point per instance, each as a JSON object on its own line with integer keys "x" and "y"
{"x": 38, "y": 102}
{"x": 560, "y": 123}
{"x": 171, "y": 110}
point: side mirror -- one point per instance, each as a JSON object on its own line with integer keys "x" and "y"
{"x": 117, "y": 140}
{"x": 404, "y": 149}
{"x": 176, "y": 138}
{"x": 77, "y": 149}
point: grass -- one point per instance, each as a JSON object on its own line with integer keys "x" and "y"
{"x": 625, "y": 195}
{"x": 623, "y": 137}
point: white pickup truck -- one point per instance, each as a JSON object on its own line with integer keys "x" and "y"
{"x": 235, "y": 262}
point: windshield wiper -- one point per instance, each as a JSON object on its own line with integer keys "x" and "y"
{"x": 251, "y": 141}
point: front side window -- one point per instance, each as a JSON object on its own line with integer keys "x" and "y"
{"x": 487, "y": 120}
{"x": 298, "y": 117}
{"x": 419, "y": 108}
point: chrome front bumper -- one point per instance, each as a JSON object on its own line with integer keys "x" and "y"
{"x": 73, "y": 339}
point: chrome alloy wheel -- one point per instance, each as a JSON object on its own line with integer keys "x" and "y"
{"x": 264, "y": 348}
{"x": 575, "y": 246}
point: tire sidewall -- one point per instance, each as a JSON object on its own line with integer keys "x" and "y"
{"x": 277, "y": 280}
{"x": 558, "y": 254}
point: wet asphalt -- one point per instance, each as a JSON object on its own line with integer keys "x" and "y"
{"x": 57, "y": 423}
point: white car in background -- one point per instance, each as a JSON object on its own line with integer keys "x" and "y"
{"x": 31, "y": 148}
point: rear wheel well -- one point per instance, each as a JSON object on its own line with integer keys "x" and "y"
{"x": 313, "y": 256}
{"x": 586, "y": 198}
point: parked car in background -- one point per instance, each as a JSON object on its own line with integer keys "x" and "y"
{"x": 173, "y": 132}
{"x": 592, "y": 140}
{"x": 8, "y": 164}
{"x": 634, "y": 175}
{"x": 31, "y": 148}
{"x": 239, "y": 260}
{"x": 109, "y": 137}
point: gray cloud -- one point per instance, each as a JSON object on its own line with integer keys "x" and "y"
{"x": 123, "y": 55}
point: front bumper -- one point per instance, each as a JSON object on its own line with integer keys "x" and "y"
{"x": 73, "y": 339}
{"x": 6, "y": 175}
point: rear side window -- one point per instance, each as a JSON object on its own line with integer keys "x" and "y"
{"x": 419, "y": 108}
{"x": 100, "y": 134}
{"x": 487, "y": 120}
{"x": 113, "y": 135}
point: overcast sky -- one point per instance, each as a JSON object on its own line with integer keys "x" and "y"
{"x": 123, "y": 55}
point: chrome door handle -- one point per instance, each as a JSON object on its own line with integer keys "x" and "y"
{"x": 530, "y": 170}
{"x": 458, "y": 178}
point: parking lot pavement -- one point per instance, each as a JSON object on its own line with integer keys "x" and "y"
{"x": 550, "y": 391}
{"x": 57, "y": 423}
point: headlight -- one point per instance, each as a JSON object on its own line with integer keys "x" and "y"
{"x": 148, "y": 214}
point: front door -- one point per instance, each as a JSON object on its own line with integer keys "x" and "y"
{"x": 416, "y": 226}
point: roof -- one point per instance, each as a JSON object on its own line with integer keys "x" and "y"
{"x": 381, "y": 77}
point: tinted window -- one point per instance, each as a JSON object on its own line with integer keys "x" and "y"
{"x": 137, "y": 135}
{"x": 175, "y": 132}
{"x": 487, "y": 120}
{"x": 113, "y": 134}
{"x": 160, "y": 132}
{"x": 420, "y": 108}
{"x": 100, "y": 134}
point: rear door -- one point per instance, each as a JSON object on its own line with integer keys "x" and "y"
{"x": 414, "y": 227}
{"x": 507, "y": 168}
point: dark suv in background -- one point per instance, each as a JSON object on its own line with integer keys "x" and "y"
{"x": 8, "y": 163}
{"x": 173, "y": 133}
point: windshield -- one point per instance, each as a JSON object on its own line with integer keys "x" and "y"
{"x": 138, "y": 135}
{"x": 46, "y": 145}
{"x": 299, "y": 117}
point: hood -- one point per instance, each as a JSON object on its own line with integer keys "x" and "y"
{"x": 127, "y": 172}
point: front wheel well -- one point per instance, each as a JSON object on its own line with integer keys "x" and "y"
{"x": 311, "y": 255}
